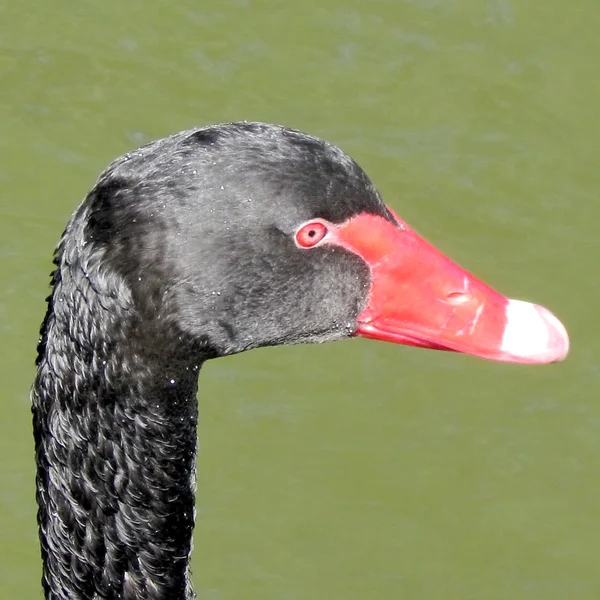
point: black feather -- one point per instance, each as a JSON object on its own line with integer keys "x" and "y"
{"x": 182, "y": 251}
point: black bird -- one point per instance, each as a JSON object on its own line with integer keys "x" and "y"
{"x": 205, "y": 244}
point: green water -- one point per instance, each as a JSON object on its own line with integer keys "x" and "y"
{"x": 357, "y": 470}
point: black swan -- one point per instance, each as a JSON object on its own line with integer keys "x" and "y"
{"x": 204, "y": 244}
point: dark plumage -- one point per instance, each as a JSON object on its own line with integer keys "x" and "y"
{"x": 181, "y": 252}
{"x": 203, "y": 244}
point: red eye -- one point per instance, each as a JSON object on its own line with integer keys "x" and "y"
{"x": 311, "y": 234}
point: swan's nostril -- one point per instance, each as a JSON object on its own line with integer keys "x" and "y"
{"x": 457, "y": 298}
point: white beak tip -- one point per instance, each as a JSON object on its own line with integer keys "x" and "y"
{"x": 533, "y": 334}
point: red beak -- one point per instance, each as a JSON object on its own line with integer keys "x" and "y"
{"x": 419, "y": 297}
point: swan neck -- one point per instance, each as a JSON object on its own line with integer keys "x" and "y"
{"x": 115, "y": 420}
